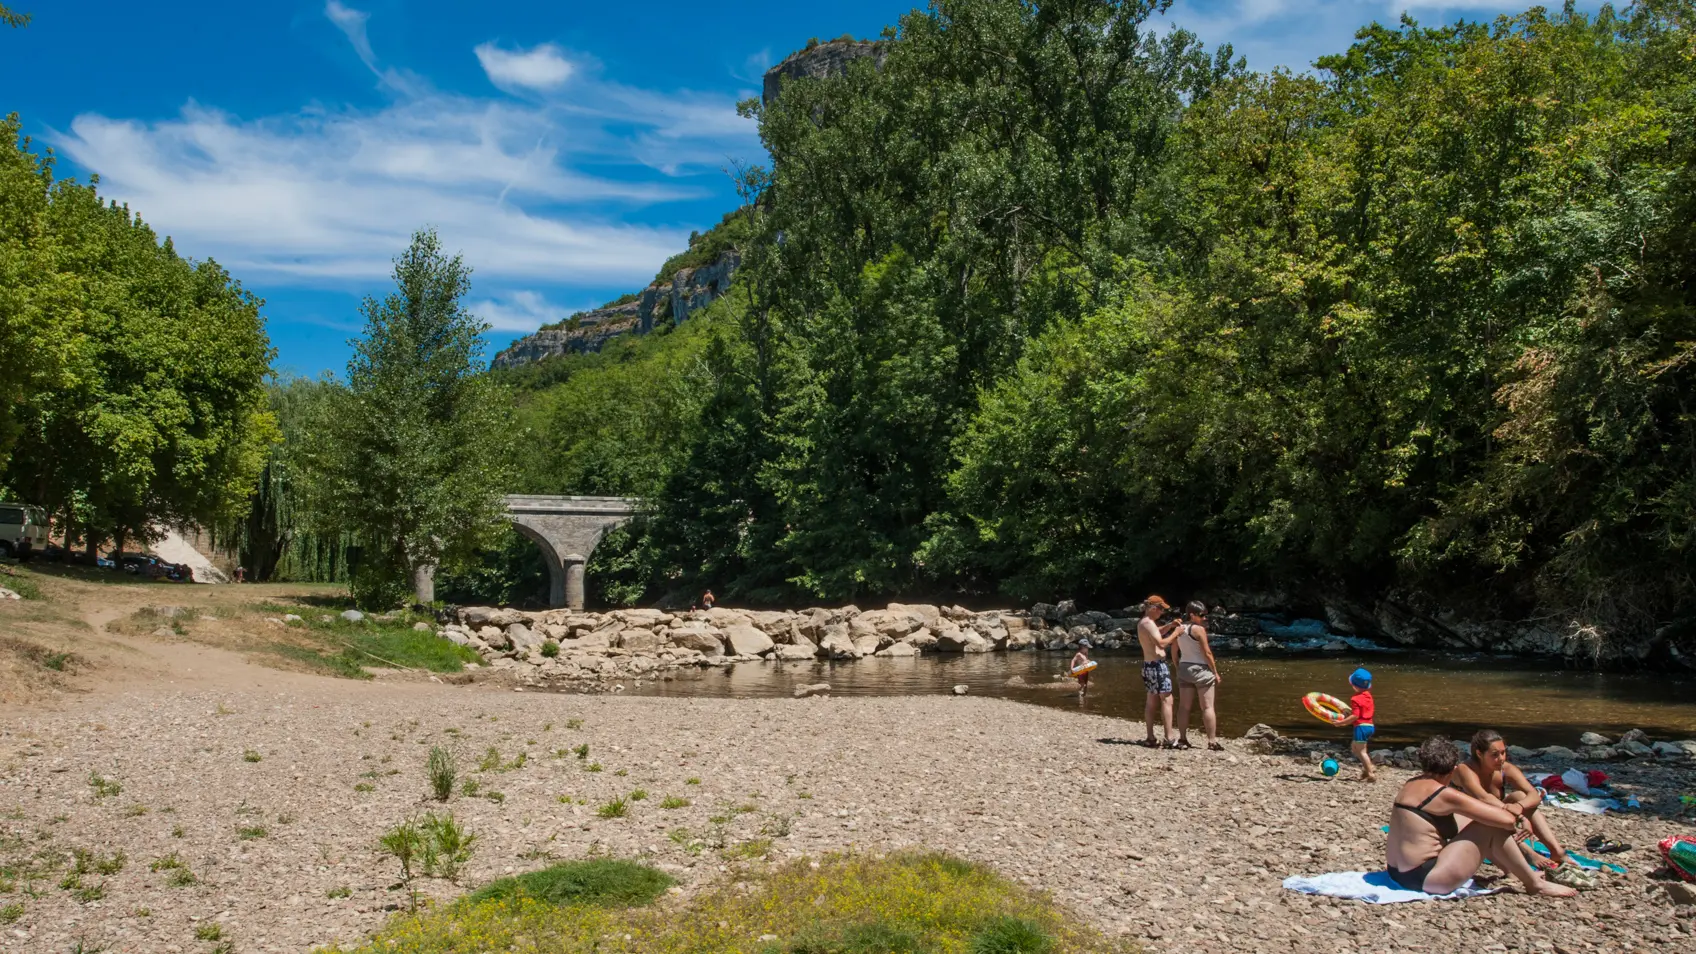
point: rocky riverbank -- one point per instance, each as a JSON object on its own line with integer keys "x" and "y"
{"x": 256, "y": 812}
{"x": 574, "y": 646}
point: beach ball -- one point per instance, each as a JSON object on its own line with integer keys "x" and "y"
{"x": 1329, "y": 767}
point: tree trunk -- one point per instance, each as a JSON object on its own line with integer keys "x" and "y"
{"x": 424, "y": 584}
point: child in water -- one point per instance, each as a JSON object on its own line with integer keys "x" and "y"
{"x": 1361, "y": 714}
{"x": 1078, "y": 660}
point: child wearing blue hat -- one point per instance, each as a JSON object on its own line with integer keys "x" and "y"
{"x": 1361, "y": 714}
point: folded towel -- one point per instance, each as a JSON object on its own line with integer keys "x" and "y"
{"x": 1373, "y": 887}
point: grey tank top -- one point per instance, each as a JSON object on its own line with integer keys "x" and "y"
{"x": 1189, "y": 648}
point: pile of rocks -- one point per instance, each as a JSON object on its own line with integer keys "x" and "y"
{"x": 570, "y": 644}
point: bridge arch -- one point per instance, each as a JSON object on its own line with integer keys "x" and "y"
{"x": 566, "y": 530}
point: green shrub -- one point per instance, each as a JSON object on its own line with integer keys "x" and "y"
{"x": 602, "y": 881}
{"x": 1011, "y": 935}
{"x": 550, "y": 649}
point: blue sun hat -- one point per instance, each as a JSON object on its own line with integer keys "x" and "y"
{"x": 1360, "y": 679}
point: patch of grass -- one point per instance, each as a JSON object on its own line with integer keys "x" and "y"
{"x": 251, "y": 756}
{"x": 364, "y": 787}
{"x": 691, "y": 781}
{"x": 592, "y": 767}
{"x": 672, "y": 801}
{"x": 902, "y": 903}
{"x": 638, "y": 795}
{"x": 341, "y": 892}
{"x": 601, "y": 882}
{"x": 443, "y": 769}
{"x": 334, "y": 665}
{"x": 177, "y": 831}
{"x": 550, "y": 649}
{"x": 470, "y": 788}
{"x": 169, "y": 862}
{"x": 135, "y": 811}
{"x": 582, "y": 751}
{"x": 617, "y": 808}
{"x": 182, "y": 878}
{"x": 574, "y": 723}
{"x": 752, "y": 848}
{"x": 11, "y": 912}
{"x": 22, "y": 582}
{"x": 208, "y": 932}
{"x": 251, "y": 832}
{"x": 104, "y": 787}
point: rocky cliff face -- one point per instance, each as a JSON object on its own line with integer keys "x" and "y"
{"x": 824, "y": 61}
{"x": 688, "y": 291}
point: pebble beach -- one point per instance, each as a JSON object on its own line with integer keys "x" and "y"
{"x": 273, "y": 798}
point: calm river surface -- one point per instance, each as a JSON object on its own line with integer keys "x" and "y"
{"x": 1418, "y": 694}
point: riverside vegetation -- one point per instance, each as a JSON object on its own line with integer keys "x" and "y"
{"x": 1062, "y": 304}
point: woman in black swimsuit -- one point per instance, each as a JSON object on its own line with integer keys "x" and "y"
{"x": 1429, "y": 851}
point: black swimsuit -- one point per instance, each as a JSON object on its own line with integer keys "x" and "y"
{"x": 1447, "y": 828}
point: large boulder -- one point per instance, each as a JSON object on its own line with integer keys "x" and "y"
{"x": 812, "y": 689}
{"x": 476, "y": 617}
{"x": 922, "y": 640}
{"x": 902, "y": 648}
{"x": 891, "y": 626}
{"x": 522, "y": 639}
{"x": 493, "y": 637}
{"x": 645, "y": 618}
{"x": 928, "y": 615}
{"x": 746, "y": 640}
{"x": 1018, "y": 637}
{"x": 638, "y": 639}
{"x": 837, "y": 644}
{"x": 801, "y": 648}
{"x": 773, "y": 624}
{"x": 699, "y": 637}
{"x": 722, "y": 618}
{"x": 952, "y": 639}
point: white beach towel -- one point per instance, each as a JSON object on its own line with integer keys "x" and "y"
{"x": 1373, "y": 887}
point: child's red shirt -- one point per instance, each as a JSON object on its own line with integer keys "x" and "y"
{"x": 1361, "y": 704}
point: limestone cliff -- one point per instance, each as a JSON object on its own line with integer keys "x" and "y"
{"x": 687, "y": 291}
{"x": 822, "y": 61}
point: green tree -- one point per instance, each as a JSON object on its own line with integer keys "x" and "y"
{"x": 413, "y": 455}
{"x": 12, "y": 19}
{"x": 140, "y": 400}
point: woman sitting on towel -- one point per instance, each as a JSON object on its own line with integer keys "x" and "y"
{"x": 1428, "y": 851}
{"x": 1489, "y": 777}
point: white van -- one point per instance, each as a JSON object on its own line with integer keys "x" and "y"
{"x": 22, "y": 528}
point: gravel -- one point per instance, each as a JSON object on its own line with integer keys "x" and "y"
{"x": 1183, "y": 851}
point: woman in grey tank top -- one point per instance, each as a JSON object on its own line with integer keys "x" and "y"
{"x": 1198, "y": 676}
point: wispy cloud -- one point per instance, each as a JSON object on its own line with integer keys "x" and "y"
{"x": 536, "y": 190}
{"x": 539, "y": 68}
{"x": 1292, "y": 33}
{"x": 522, "y": 310}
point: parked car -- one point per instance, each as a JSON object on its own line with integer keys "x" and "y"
{"x": 22, "y": 529}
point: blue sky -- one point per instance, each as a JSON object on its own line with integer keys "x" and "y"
{"x": 566, "y": 148}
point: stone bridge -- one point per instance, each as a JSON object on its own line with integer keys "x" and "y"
{"x": 567, "y": 529}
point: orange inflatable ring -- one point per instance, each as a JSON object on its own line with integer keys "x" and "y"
{"x": 1325, "y": 708}
{"x": 1084, "y": 668}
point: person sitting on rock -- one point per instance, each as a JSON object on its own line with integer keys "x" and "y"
{"x": 1429, "y": 851}
{"x": 1489, "y": 777}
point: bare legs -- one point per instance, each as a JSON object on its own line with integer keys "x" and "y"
{"x": 1163, "y": 702}
{"x": 1460, "y": 859}
{"x": 1545, "y": 834}
{"x": 1209, "y": 718}
{"x": 1366, "y": 773}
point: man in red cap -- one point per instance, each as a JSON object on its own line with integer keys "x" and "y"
{"x": 1156, "y": 674}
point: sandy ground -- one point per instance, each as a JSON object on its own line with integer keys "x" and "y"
{"x": 1184, "y": 851}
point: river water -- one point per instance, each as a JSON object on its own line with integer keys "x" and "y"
{"x": 1418, "y": 694}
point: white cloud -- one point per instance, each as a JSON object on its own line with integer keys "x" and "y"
{"x": 1292, "y": 33}
{"x": 533, "y": 191}
{"x": 539, "y": 68}
{"x": 521, "y": 311}
{"x": 352, "y": 24}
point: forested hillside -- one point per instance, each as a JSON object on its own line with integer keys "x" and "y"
{"x": 1054, "y": 303}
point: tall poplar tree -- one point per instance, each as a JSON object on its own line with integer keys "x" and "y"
{"x": 413, "y": 455}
